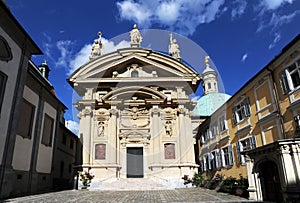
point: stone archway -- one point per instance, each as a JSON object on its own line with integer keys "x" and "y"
{"x": 270, "y": 182}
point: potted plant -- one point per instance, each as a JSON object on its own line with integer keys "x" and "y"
{"x": 86, "y": 178}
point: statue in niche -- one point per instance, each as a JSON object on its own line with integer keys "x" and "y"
{"x": 174, "y": 50}
{"x": 97, "y": 47}
{"x": 168, "y": 128}
{"x": 100, "y": 128}
{"x": 136, "y": 37}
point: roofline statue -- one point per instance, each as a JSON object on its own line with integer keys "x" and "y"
{"x": 135, "y": 37}
{"x": 174, "y": 49}
{"x": 97, "y": 48}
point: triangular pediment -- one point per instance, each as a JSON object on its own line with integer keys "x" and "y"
{"x": 133, "y": 64}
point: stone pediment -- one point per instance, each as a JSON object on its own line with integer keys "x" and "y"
{"x": 134, "y": 64}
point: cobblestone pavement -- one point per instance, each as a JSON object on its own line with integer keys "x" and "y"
{"x": 175, "y": 195}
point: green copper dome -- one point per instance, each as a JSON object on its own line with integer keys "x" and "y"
{"x": 209, "y": 103}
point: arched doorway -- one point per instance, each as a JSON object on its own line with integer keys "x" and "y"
{"x": 270, "y": 182}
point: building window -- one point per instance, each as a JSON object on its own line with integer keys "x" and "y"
{"x": 48, "y": 130}
{"x": 297, "y": 123}
{"x": 64, "y": 139}
{"x": 71, "y": 143}
{"x": 169, "y": 150}
{"x": 290, "y": 77}
{"x": 241, "y": 111}
{"x": 206, "y": 135}
{"x": 226, "y": 156}
{"x": 100, "y": 151}
{"x": 222, "y": 123}
{"x": 245, "y": 145}
{"x": 209, "y": 85}
{"x": 26, "y": 119}
{"x": 215, "y": 161}
{"x": 214, "y": 130}
{"x": 3, "y": 79}
{"x": 5, "y": 51}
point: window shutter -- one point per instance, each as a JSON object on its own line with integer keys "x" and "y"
{"x": 202, "y": 139}
{"x": 222, "y": 158}
{"x": 234, "y": 115}
{"x": 204, "y": 163}
{"x": 238, "y": 152}
{"x": 284, "y": 82}
{"x": 230, "y": 155}
{"x": 217, "y": 154}
{"x": 247, "y": 106}
{"x": 209, "y": 161}
{"x": 253, "y": 141}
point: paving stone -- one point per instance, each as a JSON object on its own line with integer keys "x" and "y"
{"x": 131, "y": 196}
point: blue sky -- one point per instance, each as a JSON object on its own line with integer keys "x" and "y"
{"x": 240, "y": 36}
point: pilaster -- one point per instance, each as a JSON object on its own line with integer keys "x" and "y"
{"x": 85, "y": 132}
{"x": 155, "y": 135}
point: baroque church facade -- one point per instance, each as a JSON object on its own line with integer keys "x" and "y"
{"x": 135, "y": 112}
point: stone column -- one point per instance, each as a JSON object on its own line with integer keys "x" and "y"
{"x": 155, "y": 135}
{"x": 113, "y": 135}
{"x": 85, "y": 131}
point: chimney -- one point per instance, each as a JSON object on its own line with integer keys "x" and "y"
{"x": 44, "y": 68}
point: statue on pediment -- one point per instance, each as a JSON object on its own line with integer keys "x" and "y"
{"x": 97, "y": 48}
{"x": 135, "y": 36}
{"x": 174, "y": 49}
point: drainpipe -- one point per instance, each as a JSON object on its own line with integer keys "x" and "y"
{"x": 277, "y": 103}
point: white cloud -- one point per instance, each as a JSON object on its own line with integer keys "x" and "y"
{"x": 277, "y": 37}
{"x": 73, "y": 126}
{"x": 82, "y": 56}
{"x": 79, "y": 58}
{"x": 182, "y": 16}
{"x": 65, "y": 52}
{"x": 134, "y": 11}
{"x": 239, "y": 7}
{"x": 110, "y": 46}
{"x": 244, "y": 57}
{"x": 167, "y": 12}
{"x": 274, "y": 4}
{"x": 277, "y": 20}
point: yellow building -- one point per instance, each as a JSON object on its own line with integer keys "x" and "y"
{"x": 256, "y": 132}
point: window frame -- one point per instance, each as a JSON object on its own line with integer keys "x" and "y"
{"x": 3, "y": 81}
{"x": 48, "y": 142}
{"x": 240, "y": 147}
{"x": 244, "y": 108}
{"x": 227, "y": 158}
{"x": 223, "y": 123}
{"x": 31, "y": 119}
{"x": 286, "y": 79}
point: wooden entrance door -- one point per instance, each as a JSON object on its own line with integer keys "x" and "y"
{"x": 271, "y": 187}
{"x": 135, "y": 165}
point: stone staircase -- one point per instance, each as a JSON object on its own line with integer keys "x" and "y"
{"x": 130, "y": 184}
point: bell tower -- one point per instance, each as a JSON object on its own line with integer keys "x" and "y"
{"x": 209, "y": 77}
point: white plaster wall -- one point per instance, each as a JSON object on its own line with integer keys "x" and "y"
{"x": 23, "y": 146}
{"x": 10, "y": 68}
{"x": 44, "y": 160}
